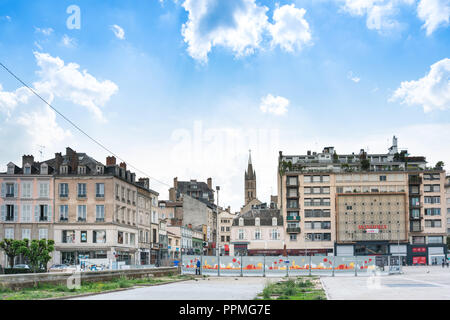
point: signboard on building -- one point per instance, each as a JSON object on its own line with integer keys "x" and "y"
{"x": 419, "y": 249}
{"x": 372, "y": 230}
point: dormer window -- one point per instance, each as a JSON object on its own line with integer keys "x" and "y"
{"x": 64, "y": 169}
{"x": 44, "y": 168}
{"x": 257, "y": 222}
{"x": 27, "y": 169}
{"x": 81, "y": 170}
{"x": 274, "y": 221}
{"x": 241, "y": 222}
{"x": 11, "y": 168}
{"x": 100, "y": 169}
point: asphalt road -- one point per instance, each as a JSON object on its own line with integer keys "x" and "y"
{"x": 416, "y": 283}
{"x": 229, "y": 288}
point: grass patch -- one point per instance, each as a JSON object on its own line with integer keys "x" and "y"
{"x": 301, "y": 288}
{"x": 43, "y": 291}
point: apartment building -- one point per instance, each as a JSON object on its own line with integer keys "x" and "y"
{"x": 26, "y": 203}
{"x": 447, "y": 195}
{"x": 259, "y": 231}
{"x": 225, "y": 224}
{"x": 145, "y": 198}
{"x": 360, "y": 204}
{"x": 174, "y": 245}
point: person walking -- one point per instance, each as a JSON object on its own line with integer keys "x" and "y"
{"x": 197, "y": 270}
{"x": 443, "y": 263}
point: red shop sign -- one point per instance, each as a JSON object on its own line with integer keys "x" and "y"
{"x": 419, "y": 249}
{"x": 419, "y": 260}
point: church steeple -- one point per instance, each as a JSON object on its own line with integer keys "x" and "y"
{"x": 250, "y": 181}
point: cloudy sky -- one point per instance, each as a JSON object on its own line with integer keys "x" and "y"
{"x": 185, "y": 88}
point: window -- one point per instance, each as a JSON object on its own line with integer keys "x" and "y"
{"x": 433, "y": 223}
{"x": 82, "y": 190}
{"x": 81, "y": 213}
{"x": 241, "y": 234}
{"x": 257, "y": 234}
{"x": 64, "y": 213}
{"x": 43, "y": 234}
{"x": 434, "y": 239}
{"x": 293, "y": 237}
{"x": 100, "y": 213}
{"x": 63, "y": 190}
{"x": 257, "y": 222}
{"x": 418, "y": 240}
{"x": 26, "y": 213}
{"x": 83, "y": 236}
{"x": 43, "y": 213}
{"x": 382, "y": 178}
{"x": 432, "y": 188}
{"x": 9, "y": 233}
{"x": 274, "y": 221}
{"x": 275, "y": 234}
{"x": 26, "y": 234}
{"x": 43, "y": 190}
{"x": 27, "y": 169}
{"x": 10, "y": 190}
{"x": 68, "y": 236}
{"x": 433, "y": 200}
{"x": 120, "y": 237}
{"x": 26, "y": 190}
{"x": 433, "y": 211}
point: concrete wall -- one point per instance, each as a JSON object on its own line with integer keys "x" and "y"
{"x": 19, "y": 281}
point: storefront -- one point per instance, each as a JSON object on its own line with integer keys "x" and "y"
{"x": 74, "y": 257}
{"x": 240, "y": 249}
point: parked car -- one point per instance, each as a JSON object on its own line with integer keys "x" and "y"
{"x": 61, "y": 268}
{"x": 21, "y": 266}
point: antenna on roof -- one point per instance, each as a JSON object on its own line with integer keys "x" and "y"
{"x": 41, "y": 151}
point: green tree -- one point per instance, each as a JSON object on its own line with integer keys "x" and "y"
{"x": 439, "y": 165}
{"x": 12, "y": 249}
{"x": 37, "y": 252}
{"x": 365, "y": 164}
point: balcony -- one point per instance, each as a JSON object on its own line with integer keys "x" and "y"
{"x": 293, "y": 230}
{"x": 100, "y": 220}
{"x": 9, "y": 195}
{"x": 81, "y": 219}
{"x": 293, "y": 218}
{"x": 43, "y": 219}
{"x": 414, "y": 180}
{"x": 415, "y": 217}
{"x": 63, "y": 195}
{"x": 63, "y": 219}
{"x": 100, "y": 196}
{"x": 416, "y": 229}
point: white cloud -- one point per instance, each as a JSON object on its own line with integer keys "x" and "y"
{"x": 118, "y": 31}
{"x": 274, "y": 105}
{"x": 241, "y": 26}
{"x": 237, "y": 25}
{"x": 434, "y": 13}
{"x": 378, "y": 13}
{"x": 44, "y": 31}
{"x": 432, "y": 92}
{"x": 290, "y": 31}
{"x": 353, "y": 77}
{"x": 68, "y": 41}
{"x": 65, "y": 81}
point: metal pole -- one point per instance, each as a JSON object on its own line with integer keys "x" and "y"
{"x": 264, "y": 265}
{"x": 218, "y": 266}
{"x": 241, "y": 263}
{"x": 310, "y": 260}
{"x": 287, "y": 267}
{"x": 356, "y": 266}
{"x": 333, "y": 266}
{"x": 201, "y": 262}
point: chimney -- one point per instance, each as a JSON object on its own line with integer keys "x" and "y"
{"x": 308, "y": 153}
{"x": 172, "y": 194}
{"x": 58, "y": 161}
{"x": 73, "y": 159}
{"x": 175, "y": 183}
{"x": 229, "y": 209}
{"x": 110, "y": 161}
{"x": 27, "y": 159}
{"x": 123, "y": 165}
{"x": 209, "y": 183}
{"x": 145, "y": 182}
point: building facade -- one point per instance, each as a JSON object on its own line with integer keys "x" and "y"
{"x": 26, "y": 203}
{"x": 260, "y": 231}
{"x": 378, "y": 204}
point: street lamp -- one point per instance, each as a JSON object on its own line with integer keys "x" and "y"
{"x": 217, "y": 221}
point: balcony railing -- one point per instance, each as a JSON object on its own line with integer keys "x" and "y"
{"x": 293, "y": 230}
{"x": 99, "y": 195}
{"x": 414, "y": 180}
{"x": 9, "y": 195}
{"x": 63, "y": 195}
{"x": 293, "y": 218}
{"x": 100, "y": 220}
{"x": 416, "y": 229}
{"x": 63, "y": 219}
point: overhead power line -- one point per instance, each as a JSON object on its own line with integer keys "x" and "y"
{"x": 78, "y": 128}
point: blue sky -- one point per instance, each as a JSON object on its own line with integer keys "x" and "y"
{"x": 285, "y": 75}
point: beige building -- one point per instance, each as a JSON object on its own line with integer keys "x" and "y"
{"x": 328, "y": 201}
{"x": 26, "y": 203}
{"x": 225, "y": 224}
{"x": 174, "y": 245}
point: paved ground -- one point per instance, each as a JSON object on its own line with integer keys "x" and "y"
{"x": 422, "y": 283}
{"x": 229, "y": 288}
